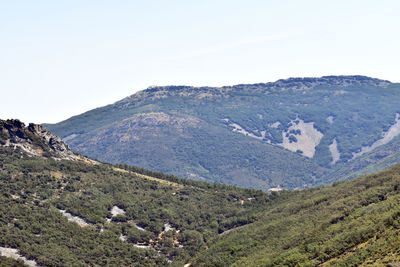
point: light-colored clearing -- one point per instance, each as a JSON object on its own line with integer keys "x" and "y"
{"x": 330, "y": 119}
{"x": 275, "y": 189}
{"x": 393, "y": 131}
{"x": 168, "y": 227}
{"x": 123, "y": 238}
{"x": 81, "y": 222}
{"x": 275, "y": 124}
{"x": 139, "y": 228}
{"x": 239, "y": 129}
{"x": 307, "y": 140}
{"x": 334, "y": 152}
{"x": 115, "y": 211}
{"x": 14, "y": 253}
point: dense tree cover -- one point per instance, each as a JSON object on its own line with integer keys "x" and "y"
{"x": 197, "y": 142}
{"x": 10, "y": 262}
{"x": 33, "y": 191}
{"x": 347, "y": 224}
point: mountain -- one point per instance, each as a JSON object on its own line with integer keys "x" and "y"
{"x": 64, "y": 211}
{"x": 61, "y": 211}
{"x": 293, "y": 133}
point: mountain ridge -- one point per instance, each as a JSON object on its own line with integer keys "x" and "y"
{"x": 293, "y": 83}
{"x": 328, "y": 121}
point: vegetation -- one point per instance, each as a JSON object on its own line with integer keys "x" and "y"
{"x": 33, "y": 191}
{"x": 347, "y": 224}
{"x": 163, "y": 220}
{"x": 187, "y": 131}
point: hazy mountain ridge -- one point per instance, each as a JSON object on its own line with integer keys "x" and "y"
{"x": 320, "y": 125}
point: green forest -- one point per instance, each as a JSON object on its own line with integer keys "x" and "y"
{"x": 345, "y": 224}
{"x": 34, "y": 190}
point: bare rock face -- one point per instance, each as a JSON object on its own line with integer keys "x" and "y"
{"x": 53, "y": 141}
{"x": 34, "y": 140}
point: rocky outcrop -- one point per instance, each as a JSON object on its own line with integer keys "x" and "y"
{"x": 34, "y": 140}
{"x": 54, "y": 142}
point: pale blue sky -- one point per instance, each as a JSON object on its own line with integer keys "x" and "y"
{"x": 61, "y": 58}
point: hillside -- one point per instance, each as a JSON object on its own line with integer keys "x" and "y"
{"x": 58, "y": 211}
{"x": 355, "y": 223}
{"x": 293, "y": 133}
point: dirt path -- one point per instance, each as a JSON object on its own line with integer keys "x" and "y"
{"x": 161, "y": 181}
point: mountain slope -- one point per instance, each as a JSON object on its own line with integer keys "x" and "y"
{"x": 58, "y": 211}
{"x": 355, "y": 223}
{"x": 67, "y": 212}
{"x": 241, "y": 135}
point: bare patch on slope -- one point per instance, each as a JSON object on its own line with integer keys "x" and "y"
{"x": 75, "y": 219}
{"x": 393, "y": 131}
{"x": 301, "y": 136}
{"x": 330, "y": 119}
{"x": 334, "y": 152}
{"x": 115, "y": 211}
{"x": 239, "y": 129}
{"x": 14, "y": 253}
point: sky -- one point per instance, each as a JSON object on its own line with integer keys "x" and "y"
{"x": 62, "y": 58}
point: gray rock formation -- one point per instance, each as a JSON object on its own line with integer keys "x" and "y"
{"x": 35, "y": 140}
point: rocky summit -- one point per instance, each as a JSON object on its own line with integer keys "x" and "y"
{"x": 34, "y": 140}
